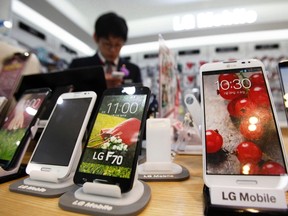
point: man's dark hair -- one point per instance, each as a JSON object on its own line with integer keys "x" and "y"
{"x": 110, "y": 24}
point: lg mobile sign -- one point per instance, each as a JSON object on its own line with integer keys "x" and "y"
{"x": 214, "y": 19}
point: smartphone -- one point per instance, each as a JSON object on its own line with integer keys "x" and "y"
{"x": 242, "y": 141}
{"x": 118, "y": 74}
{"x": 111, "y": 153}
{"x": 15, "y": 131}
{"x": 57, "y": 147}
{"x": 283, "y": 76}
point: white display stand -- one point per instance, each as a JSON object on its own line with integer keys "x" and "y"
{"x": 105, "y": 199}
{"x": 244, "y": 201}
{"x": 15, "y": 169}
{"x": 45, "y": 184}
{"x": 189, "y": 137}
{"x": 159, "y": 165}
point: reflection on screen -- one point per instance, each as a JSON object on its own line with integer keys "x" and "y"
{"x": 57, "y": 143}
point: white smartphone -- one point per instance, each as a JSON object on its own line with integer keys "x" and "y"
{"x": 62, "y": 136}
{"x": 242, "y": 141}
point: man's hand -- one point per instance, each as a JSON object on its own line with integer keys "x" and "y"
{"x": 113, "y": 82}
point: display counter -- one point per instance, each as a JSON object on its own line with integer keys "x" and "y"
{"x": 167, "y": 198}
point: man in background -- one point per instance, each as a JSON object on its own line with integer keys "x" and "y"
{"x": 110, "y": 35}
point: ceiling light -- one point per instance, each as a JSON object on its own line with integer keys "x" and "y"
{"x": 37, "y": 19}
{"x": 246, "y": 37}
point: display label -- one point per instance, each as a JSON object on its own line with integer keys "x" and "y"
{"x": 247, "y": 197}
{"x": 32, "y": 188}
{"x": 158, "y": 176}
{"x": 92, "y": 205}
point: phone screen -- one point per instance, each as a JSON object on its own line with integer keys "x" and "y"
{"x": 17, "y": 123}
{"x": 241, "y": 133}
{"x": 59, "y": 137}
{"x": 112, "y": 145}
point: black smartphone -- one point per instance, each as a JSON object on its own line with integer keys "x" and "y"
{"x": 16, "y": 127}
{"x": 283, "y": 75}
{"x": 111, "y": 153}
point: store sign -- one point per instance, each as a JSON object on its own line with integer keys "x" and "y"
{"x": 248, "y": 197}
{"x": 214, "y": 19}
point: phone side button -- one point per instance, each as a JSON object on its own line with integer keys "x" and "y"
{"x": 246, "y": 182}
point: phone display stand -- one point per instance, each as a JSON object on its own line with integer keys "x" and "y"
{"x": 189, "y": 135}
{"x": 17, "y": 171}
{"x": 42, "y": 188}
{"x": 244, "y": 202}
{"x": 159, "y": 165}
{"x": 106, "y": 199}
{"x": 45, "y": 184}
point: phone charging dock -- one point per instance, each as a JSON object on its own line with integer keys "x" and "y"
{"x": 103, "y": 199}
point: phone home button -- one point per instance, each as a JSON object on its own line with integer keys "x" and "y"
{"x": 45, "y": 169}
{"x": 246, "y": 182}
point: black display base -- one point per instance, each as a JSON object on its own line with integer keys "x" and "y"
{"x": 216, "y": 210}
{"x": 21, "y": 173}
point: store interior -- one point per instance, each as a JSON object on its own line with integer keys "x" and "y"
{"x": 253, "y": 32}
{"x": 195, "y": 32}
